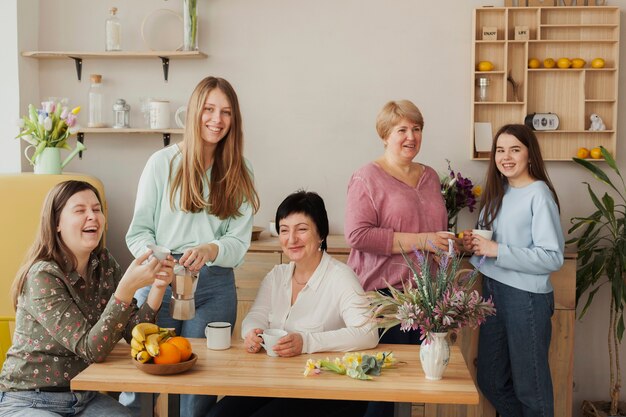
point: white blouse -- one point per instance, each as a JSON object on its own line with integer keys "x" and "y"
{"x": 330, "y": 312}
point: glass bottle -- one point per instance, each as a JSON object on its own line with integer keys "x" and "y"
{"x": 113, "y": 32}
{"x": 190, "y": 25}
{"x": 96, "y": 97}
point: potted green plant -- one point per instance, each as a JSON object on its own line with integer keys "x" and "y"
{"x": 602, "y": 260}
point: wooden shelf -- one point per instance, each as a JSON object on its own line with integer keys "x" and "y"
{"x": 111, "y": 130}
{"x": 573, "y": 94}
{"x": 114, "y": 54}
{"x": 78, "y": 56}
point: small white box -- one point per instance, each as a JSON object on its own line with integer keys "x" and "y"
{"x": 521, "y": 33}
{"x": 490, "y": 33}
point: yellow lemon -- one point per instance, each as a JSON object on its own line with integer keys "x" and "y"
{"x": 597, "y": 63}
{"x": 596, "y": 153}
{"x": 582, "y": 153}
{"x": 533, "y": 63}
{"x": 485, "y": 66}
{"x": 460, "y": 236}
{"x": 578, "y": 63}
{"x": 549, "y": 63}
{"x": 563, "y": 63}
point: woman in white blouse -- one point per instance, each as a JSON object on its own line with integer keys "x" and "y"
{"x": 315, "y": 298}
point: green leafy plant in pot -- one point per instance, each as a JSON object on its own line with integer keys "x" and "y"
{"x": 602, "y": 260}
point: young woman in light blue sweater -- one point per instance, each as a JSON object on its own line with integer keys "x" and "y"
{"x": 197, "y": 198}
{"x": 521, "y": 207}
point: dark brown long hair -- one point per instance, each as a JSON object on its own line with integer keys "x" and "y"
{"x": 491, "y": 201}
{"x": 231, "y": 183}
{"x": 48, "y": 245}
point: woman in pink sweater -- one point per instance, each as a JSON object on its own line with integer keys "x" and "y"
{"x": 393, "y": 204}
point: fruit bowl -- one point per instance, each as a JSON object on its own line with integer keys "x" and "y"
{"x": 169, "y": 369}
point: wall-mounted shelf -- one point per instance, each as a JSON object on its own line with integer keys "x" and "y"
{"x": 97, "y": 130}
{"x": 78, "y": 57}
{"x": 573, "y": 94}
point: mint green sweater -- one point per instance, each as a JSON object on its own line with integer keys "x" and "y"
{"x": 154, "y": 221}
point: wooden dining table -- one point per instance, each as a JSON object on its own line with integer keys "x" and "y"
{"x": 236, "y": 372}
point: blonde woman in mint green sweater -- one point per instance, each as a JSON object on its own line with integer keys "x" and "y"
{"x": 197, "y": 198}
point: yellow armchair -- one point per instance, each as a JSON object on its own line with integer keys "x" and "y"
{"x": 22, "y": 195}
{"x": 5, "y": 336}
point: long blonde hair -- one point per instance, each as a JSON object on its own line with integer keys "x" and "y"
{"x": 48, "y": 245}
{"x": 230, "y": 183}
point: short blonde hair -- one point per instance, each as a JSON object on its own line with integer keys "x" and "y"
{"x": 394, "y": 111}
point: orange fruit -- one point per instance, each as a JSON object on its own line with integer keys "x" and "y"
{"x": 549, "y": 63}
{"x": 563, "y": 63}
{"x": 582, "y": 153}
{"x": 533, "y": 63}
{"x": 183, "y": 346}
{"x": 168, "y": 354}
{"x": 596, "y": 153}
{"x": 485, "y": 66}
{"x": 597, "y": 63}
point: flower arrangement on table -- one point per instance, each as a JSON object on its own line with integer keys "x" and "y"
{"x": 48, "y": 127}
{"x": 356, "y": 365}
{"x": 458, "y": 192}
{"x": 437, "y": 299}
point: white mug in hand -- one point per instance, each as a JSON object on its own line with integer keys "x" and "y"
{"x": 487, "y": 234}
{"x": 217, "y": 335}
{"x": 271, "y": 337}
{"x": 450, "y": 237}
{"x": 158, "y": 252}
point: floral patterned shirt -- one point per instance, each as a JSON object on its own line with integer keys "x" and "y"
{"x": 65, "y": 322}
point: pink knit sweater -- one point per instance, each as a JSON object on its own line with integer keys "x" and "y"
{"x": 379, "y": 205}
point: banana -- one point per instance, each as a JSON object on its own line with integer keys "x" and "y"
{"x": 136, "y": 345}
{"x": 142, "y": 330}
{"x": 152, "y": 343}
{"x": 143, "y": 356}
{"x": 133, "y": 353}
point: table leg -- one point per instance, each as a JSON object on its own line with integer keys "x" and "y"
{"x": 147, "y": 404}
{"x": 402, "y": 410}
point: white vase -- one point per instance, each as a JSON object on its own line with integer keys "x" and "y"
{"x": 435, "y": 356}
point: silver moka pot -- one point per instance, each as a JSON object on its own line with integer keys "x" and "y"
{"x": 182, "y": 303}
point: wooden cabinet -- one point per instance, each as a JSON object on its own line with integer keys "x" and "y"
{"x": 265, "y": 253}
{"x": 573, "y": 94}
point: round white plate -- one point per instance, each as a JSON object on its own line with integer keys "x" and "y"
{"x": 162, "y": 30}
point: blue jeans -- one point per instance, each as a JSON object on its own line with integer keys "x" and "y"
{"x": 513, "y": 369}
{"x": 48, "y": 404}
{"x": 216, "y": 300}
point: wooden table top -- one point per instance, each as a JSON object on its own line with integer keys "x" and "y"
{"x": 236, "y": 372}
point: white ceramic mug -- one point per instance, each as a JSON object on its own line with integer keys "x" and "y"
{"x": 487, "y": 234}
{"x": 159, "y": 114}
{"x": 180, "y": 116}
{"x": 450, "y": 237}
{"x": 271, "y": 337}
{"x": 217, "y": 335}
{"x": 272, "y": 229}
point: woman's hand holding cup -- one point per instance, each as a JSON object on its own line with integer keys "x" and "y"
{"x": 252, "y": 342}
{"x": 482, "y": 245}
{"x": 290, "y": 345}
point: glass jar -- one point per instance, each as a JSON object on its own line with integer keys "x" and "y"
{"x": 113, "y": 32}
{"x": 96, "y": 98}
{"x": 121, "y": 114}
{"x": 482, "y": 84}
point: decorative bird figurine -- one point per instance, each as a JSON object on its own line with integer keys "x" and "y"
{"x": 596, "y": 123}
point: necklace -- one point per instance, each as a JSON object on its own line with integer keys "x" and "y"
{"x": 298, "y": 282}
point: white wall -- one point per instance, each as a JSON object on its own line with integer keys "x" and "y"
{"x": 311, "y": 77}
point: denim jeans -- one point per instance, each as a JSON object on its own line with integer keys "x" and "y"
{"x": 513, "y": 369}
{"x": 48, "y": 404}
{"x": 216, "y": 300}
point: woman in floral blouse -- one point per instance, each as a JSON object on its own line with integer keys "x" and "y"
{"x": 73, "y": 304}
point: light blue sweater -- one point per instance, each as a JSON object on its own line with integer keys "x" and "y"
{"x": 530, "y": 239}
{"x": 154, "y": 221}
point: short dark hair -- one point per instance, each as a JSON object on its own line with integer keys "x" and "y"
{"x": 310, "y": 204}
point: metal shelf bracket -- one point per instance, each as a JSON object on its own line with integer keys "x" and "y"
{"x": 81, "y": 139}
{"x": 166, "y": 139}
{"x": 166, "y": 66}
{"x": 79, "y": 66}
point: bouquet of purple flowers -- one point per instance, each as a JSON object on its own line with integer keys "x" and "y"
{"x": 458, "y": 192}
{"x": 437, "y": 299}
